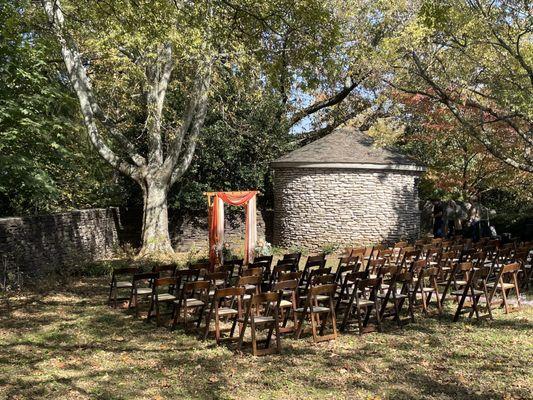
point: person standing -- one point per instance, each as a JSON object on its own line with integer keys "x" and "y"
{"x": 450, "y": 218}
{"x": 475, "y": 217}
{"x": 438, "y": 223}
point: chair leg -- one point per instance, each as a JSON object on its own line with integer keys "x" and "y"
{"x": 254, "y": 339}
{"x": 424, "y": 305}
{"x": 208, "y": 322}
{"x": 298, "y": 330}
{"x": 150, "y": 309}
{"x": 269, "y": 336}
{"x": 517, "y": 290}
{"x": 157, "y": 314}
{"x": 410, "y": 308}
{"x": 217, "y": 328}
{"x": 131, "y": 298}
{"x": 460, "y": 306}
{"x": 200, "y": 316}
{"x": 233, "y": 326}
{"x": 504, "y": 297}
{"x": 175, "y": 315}
{"x": 110, "y": 294}
{"x": 439, "y": 306}
{"x": 378, "y": 317}
{"x": 359, "y": 320}
{"x": 487, "y": 300}
{"x": 243, "y": 330}
{"x": 324, "y": 322}
{"x": 278, "y": 338}
{"x": 313, "y": 327}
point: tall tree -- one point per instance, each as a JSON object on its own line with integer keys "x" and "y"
{"x": 45, "y": 166}
{"x": 129, "y": 60}
{"x": 475, "y": 57}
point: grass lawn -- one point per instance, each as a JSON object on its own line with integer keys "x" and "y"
{"x": 66, "y": 344}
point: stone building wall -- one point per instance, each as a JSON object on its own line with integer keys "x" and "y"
{"x": 193, "y": 233}
{"x": 45, "y": 243}
{"x": 314, "y": 207}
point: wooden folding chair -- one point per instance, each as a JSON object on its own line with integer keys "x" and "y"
{"x": 374, "y": 266}
{"x": 262, "y": 313}
{"x": 294, "y": 257}
{"x": 287, "y": 276}
{"x": 184, "y": 276}
{"x": 346, "y": 265}
{"x": 219, "y": 309}
{"x": 235, "y": 265}
{"x": 194, "y": 297}
{"x": 522, "y": 256}
{"x": 257, "y": 271}
{"x": 313, "y": 262}
{"x": 251, "y": 285}
{"x": 262, "y": 266}
{"x": 397, "y": 251}
{"x": 400, "y": 288}
{"x": 426, "y": 286}
{"x": 125, "y": 275}
{"x": 277, "y": 271}
{"x": 229, "y": 269}
{"x": 420, "y": 242}
{"x": 475, "y": 287}
{"x": 457, "y": 279}
{"x": 408, "y": 258}
{"x": 503, "y": 256}
{"x": 317, "y": 279}
{"x": 506, "y": 280}
{"x": 346, "y": 288}
{"x": 141, "y": 287}
{"x": 315, "y": 313}
{"x": 162, "y": 293}
{"x": 364, "y": 296}
{"x": 359, "y": 254}
{"x": 165, "y": 270}
{"x": 218, "y": 279}
{"x": 387, "y": 255}
{"x": 266, "y": 263}
{"x": 304, "y": 288}
{"x": 201, "y": 267}
{"x": 288, "y": 302}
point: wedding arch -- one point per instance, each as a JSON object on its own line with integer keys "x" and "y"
{"x": 215, "y": 203}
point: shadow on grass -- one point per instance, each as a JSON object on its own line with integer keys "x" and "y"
{"x": 67, "y": 343}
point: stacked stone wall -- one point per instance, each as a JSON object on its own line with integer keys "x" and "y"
{"x": 38, "y": 245}
{"x": 319, "y": 206}
{"x": 192, "y": 232}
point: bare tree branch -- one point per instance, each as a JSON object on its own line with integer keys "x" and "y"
{"x": 199, "y": 118}
{"x": 158, "y": 75}
{"x": 82, "y": 87}
{"x": 330, "y": 101}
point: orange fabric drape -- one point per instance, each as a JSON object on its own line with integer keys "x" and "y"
{"x": 235, "y": 200}
{"x": 216, "y": 223}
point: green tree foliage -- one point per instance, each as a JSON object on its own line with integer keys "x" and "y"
{"x": 475, "y": 58}
{"x": 45, "y": 162}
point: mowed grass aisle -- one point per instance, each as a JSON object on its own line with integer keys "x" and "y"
{"x": 67, "y": 344}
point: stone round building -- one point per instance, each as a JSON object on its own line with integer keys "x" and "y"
{"x": 343, "y": 190}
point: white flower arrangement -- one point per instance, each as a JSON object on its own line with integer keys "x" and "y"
{"x": 263, "y": 248}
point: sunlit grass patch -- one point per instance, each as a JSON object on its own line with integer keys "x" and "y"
{"x": 68, "y": 344}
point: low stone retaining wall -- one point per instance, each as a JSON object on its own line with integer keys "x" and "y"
{"x": 193, "y": 233}
{"x": 38, "y": 245}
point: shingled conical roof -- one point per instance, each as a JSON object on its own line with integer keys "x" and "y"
{"x": 345, "y": 148}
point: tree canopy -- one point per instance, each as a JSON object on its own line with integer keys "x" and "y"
{"x": 181, "y": 97}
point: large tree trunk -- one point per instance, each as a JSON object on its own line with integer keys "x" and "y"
{"x": 155, "y": 235}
